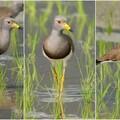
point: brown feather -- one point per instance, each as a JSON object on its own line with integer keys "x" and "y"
{"x": 113, "y": 55}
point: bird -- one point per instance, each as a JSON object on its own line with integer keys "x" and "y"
{"x": 112, "y": 55}
{"x": 58, "y": 46}
{"x": 7, "y": 25}
{"x": 12, "y": 11}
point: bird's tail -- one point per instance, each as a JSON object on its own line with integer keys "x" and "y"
{"x": 98, "y": 62}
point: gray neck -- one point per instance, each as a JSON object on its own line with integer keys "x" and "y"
{"x": 5, "y": 39}
{"x": 56, "y": 32}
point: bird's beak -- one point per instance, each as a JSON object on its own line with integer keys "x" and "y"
{"x": 67, "y": 27}
{"x": 15, "y": 25}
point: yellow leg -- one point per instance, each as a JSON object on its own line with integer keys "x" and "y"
{"x": 60, "y": 94}
{"x": 60, "y": 89}
{"x": 62, "y": 83}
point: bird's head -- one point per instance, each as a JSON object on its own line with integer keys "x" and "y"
{"x": 60, "y": 23}
{"x": 9, "y": 23}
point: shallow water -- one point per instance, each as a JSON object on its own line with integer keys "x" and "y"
{"x": 71, "y": 93}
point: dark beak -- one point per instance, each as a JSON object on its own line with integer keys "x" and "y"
{"x": 71, "y": 30}
{"x": 20, "y": 27}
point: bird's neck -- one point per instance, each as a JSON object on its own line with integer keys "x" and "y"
{"x": 5, "y": 39}
{"x": 56, "y": 32}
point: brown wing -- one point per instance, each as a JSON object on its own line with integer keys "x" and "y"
{"x": 113, "y": 55}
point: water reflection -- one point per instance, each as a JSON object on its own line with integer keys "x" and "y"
{"x": 70, "y": 94}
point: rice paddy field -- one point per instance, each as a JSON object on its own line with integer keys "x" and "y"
{"x": 27, "y": 86}
{"x": 78, "y": 94}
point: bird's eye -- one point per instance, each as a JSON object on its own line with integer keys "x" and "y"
{"x": 59, "y": 21}
{"x": 8, "y": 22}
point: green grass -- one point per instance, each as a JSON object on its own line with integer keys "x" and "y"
{"x": 107, "y": 85}
{"x": 2, "y": 82}
{"x": 31, "y": 79}
{"x": 83, "y": 20}
{"x": 88, "y": 77}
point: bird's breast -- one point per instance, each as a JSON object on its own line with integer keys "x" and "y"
{"x": 56, "y": 49}
{"x": 3, "y": 48}
{"x": 4, "y": 43}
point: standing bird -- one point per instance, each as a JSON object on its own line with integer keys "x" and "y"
{"x": 58, "y": 46}
{"x": 113, "y": 55}
{"x": 12, "y": 11}
{"x": 7, "y": 25}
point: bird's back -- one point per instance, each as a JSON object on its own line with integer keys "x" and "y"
{"x": 6, "y": 12}
{"x": 114, "y": 55}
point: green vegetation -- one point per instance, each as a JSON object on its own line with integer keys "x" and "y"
{"x": 108, "y": 74}
{"x": 108, "y": 85}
